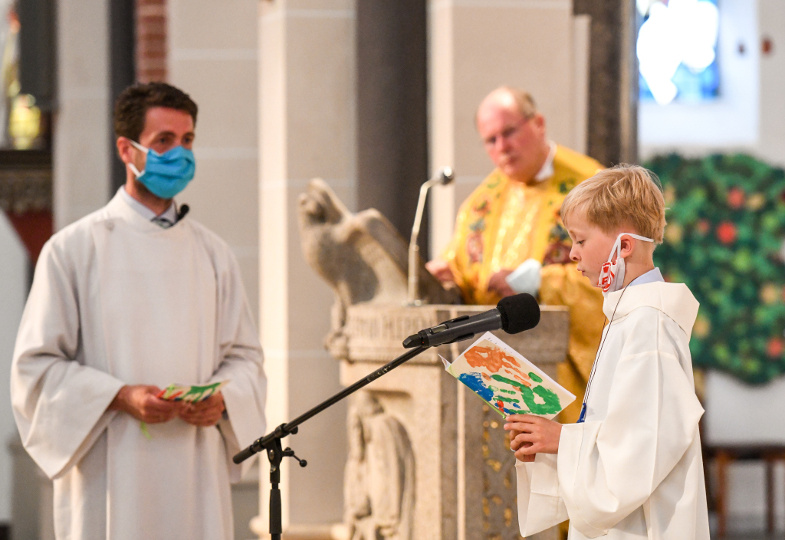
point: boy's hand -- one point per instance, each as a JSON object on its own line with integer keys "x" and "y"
{"x": 531, "y": 434}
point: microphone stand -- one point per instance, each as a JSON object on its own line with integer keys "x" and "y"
{"x": 445, "y": 176}
{"x": 271, "y": 442}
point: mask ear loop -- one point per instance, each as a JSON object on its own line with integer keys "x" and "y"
{"x": 134, "y": 170}
{"x": 141, "y": 148}
{"x": 615, "y": 251}
{"x": 636, "y": 236}
{"x": 617, "y": 244}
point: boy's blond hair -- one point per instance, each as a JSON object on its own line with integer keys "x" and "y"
{"x": 622, "y": 196}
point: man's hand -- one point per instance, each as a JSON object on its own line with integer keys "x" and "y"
{"x": 440, "y": 270}
{"x": 498, "y": 283}
{"x": 204, "y": 413}
{"x": 141, "y": 402}
{"x": 531, "y": 434}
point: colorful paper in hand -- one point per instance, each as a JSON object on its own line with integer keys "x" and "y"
{"x": 507, "y": 381}
{"x": 191, "y": 393}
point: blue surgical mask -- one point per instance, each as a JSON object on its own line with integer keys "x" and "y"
{"x": 167, "y": 174}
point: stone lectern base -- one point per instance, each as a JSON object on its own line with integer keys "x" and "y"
{"x": 427, "y": 457}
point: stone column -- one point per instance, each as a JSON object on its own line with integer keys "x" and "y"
{"x": 20, "y": 507}
{"x": 213, "y": 56}
{"x": 475, "y": 47}
{"x": 392, "y": 135}
{"x": 81, "y": 153}
{"x": 306, "y": 128}
{"x": 613, "y": 83}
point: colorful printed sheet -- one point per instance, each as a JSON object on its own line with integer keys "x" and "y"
{"x": 507, "y": 381}
{"x": 192, "y": 393}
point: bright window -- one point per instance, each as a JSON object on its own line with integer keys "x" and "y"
{"x": 677, "y": 50}
{"x": 729, "y": 118}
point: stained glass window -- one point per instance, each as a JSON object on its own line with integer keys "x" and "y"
{"x": 22, "y": 121}
{"x": 677, "y": 50}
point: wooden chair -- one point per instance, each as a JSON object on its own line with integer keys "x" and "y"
{"x": 722, "y": 455}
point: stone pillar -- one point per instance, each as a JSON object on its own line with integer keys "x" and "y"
{"x": 306, "y": 122}
{"x": 212, "y": 54}
{"x": 13, "y": 291}
{"x": 81, "y": 153}
{"x": 122, "y": 71}
{"x": 477, "y": 46}
{"x": 613, "y": 81}
{"x": 392, "y": 135}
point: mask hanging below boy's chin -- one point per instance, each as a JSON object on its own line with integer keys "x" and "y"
{"x": 612, "y": 271}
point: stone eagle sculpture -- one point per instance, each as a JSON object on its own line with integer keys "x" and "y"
{"x": 361, "y": 256}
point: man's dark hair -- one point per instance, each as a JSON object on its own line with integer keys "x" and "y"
{"x": 130, "y": 108}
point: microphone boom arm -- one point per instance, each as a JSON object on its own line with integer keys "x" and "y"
{"x": 287, "y": 429}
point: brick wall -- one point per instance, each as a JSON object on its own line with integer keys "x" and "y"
{"x": 151, "y": 46}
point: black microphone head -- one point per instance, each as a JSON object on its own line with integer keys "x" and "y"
{"x": 519, "y": 312}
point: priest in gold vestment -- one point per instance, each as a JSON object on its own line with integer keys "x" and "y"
{"x": 508, "y": 236}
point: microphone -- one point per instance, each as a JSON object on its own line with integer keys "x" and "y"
{"x": 184, "y": 209}
{"x": 444, "y": 177}
{"x": 512, "y": 314}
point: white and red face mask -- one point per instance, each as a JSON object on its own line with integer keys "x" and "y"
{"x": 612, "y": 271}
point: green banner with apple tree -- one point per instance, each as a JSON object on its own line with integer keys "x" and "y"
{"x": 724, "y": 239}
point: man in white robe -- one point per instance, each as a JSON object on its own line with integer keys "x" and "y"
{"x": 119, "y": 308}
{"x": 631, "y": 468}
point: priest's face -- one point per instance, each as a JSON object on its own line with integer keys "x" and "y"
{"x": 590, "y": 245}
{"x": 515, "y": 143}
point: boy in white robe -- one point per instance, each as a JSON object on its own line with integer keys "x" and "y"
{"x": 120, "y": 307}
{"x": 631, "y": 468}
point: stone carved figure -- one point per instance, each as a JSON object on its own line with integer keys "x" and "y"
{"x": 379, "y": 475}
{"x": 361, "y": 256}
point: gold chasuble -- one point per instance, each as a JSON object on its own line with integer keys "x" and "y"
{"x": 505, "y": 222}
